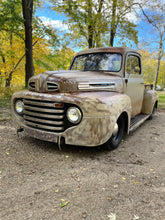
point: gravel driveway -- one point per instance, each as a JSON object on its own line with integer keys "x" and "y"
{"x": 39, "y": 182}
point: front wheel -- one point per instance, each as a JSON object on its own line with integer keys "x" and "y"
{"x": 117, "y": 135}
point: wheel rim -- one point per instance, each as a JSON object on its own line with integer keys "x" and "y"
{"x": 118, "y": 135}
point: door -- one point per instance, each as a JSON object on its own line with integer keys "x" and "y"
{"x": 134, "y": 82}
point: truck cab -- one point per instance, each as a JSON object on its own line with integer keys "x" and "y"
{"x": 101, "y": 96}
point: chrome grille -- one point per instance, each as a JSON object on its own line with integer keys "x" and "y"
{"x": 32, "y": 85}
{"x": 52, "y": 86}
{"x": 44, "y": 115}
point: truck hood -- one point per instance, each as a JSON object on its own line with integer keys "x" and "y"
{"x": 75, "y": 81}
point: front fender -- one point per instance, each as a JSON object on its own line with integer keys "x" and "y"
{"x": 100, "y": 113}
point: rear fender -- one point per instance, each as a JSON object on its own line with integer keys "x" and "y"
{"x": 150, "y": 98}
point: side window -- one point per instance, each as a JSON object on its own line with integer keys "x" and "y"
{"x": 133, "y": 65}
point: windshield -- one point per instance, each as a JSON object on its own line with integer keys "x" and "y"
{"x": 98, "y": 62}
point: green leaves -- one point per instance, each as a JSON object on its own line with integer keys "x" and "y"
{"x": 95, "y": 21}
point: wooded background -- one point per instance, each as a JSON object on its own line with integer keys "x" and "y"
{"x": 28, "y": 46}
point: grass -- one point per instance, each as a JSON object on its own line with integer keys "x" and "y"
{"x": 161, "y": 101}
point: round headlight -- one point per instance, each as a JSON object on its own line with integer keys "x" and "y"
{"x": 74, "y": 115}
{"x": 19, "y": 106}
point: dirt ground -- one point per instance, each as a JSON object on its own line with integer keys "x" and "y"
{"x": 39, "y": 182}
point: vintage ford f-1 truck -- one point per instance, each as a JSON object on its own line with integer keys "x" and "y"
{"x": 101, "y": 97}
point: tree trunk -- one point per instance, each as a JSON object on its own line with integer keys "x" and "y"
{"x": 90, "y": 36}
{"x": 99, "y": 15}
{"x": 9, "y": 78}
{"x": 159, "y": 58}
{"x": 113, "y": 25}
{"x": 90, "y": 25}
{"x": 27, "y": 8}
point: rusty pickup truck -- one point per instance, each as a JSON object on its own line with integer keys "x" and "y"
{"x": 101, "y": 97}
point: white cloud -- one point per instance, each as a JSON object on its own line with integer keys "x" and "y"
{"x": 132, "y": 17}
{"x": 58, "y": 24}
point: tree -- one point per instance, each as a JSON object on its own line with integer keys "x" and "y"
{"x": 98, "y": 20}
{"x": 12, "y": 40}
{"x": 155, "y": 17}
{"x": 27, "y": 9}
{"x": 10, "y": 27}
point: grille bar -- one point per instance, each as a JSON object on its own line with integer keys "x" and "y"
{"x": 43, "y": 120}
{"x": 44, "y": 115}
{"x": 44, "y": 127}
{"x": 32, "y": 85}
{"x": 38, "y": 103}
{"x": 46, "y": 110}
{"x": 52, "y": 86}
{"x": 48, "y": 116}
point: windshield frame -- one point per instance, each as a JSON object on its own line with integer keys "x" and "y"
{"x": 86, "y": 54}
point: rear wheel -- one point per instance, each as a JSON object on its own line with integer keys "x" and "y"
{"x": 117, "y": 135}
{"x": 153, "y": 112}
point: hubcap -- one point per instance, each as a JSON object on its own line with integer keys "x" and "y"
{"x": 116, "y": 129}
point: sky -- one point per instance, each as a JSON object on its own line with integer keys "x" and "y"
{"x": 146, "y": 32}
{"x": 49, "y": 16}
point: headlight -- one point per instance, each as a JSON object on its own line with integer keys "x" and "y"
{"x": 74, "y": 115}
{"x": 19, "y": 106}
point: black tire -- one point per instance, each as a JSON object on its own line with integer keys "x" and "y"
{"x": 153, "y": 112}
{"x": 116, "y": 139}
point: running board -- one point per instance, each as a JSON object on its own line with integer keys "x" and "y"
{"x": 137, "y": 120}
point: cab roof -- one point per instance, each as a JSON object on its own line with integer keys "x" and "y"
{"x": 122, "y": 50}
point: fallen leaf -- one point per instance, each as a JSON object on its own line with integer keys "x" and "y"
{"x": 57, "y": 190}
{"x": 112, "y": 216}
{"x": 136, "y": 217}
{"x": 63, "y": 203}
{"x": 123, "y": 178}
{"x": 152, "y": 170}
{"x": 135, "y": 182}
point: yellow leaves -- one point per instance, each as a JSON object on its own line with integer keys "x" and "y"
{"x": 13, "y": 48}
{"x": 135, "y": 182}
{"x": 149, "y": 63}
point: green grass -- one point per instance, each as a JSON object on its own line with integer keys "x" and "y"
{"x": 161, "y": 102}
